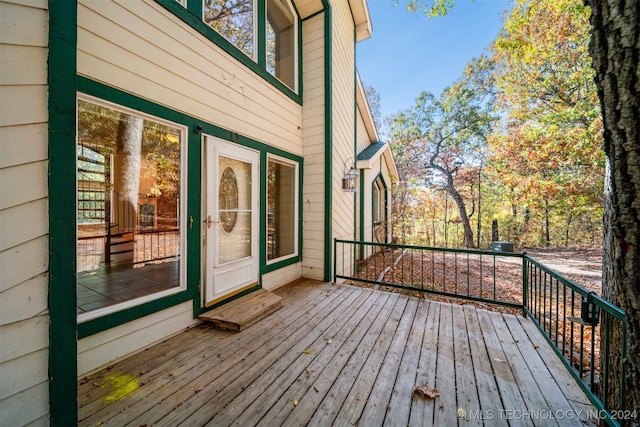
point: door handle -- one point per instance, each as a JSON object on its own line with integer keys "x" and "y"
{"x": 209, "y": 221}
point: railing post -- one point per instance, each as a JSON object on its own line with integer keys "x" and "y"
{"x": 335, "y": 259}
{"x": 525, "y": 284}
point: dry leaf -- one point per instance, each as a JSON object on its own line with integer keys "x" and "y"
{"x": 307, "y": 351}
{"x": 426, "y": 391}
{"x": 295, "y": 403}
{"x": 329, "y": 340}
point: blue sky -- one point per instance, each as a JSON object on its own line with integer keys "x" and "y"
{"x": 409, "y": 53}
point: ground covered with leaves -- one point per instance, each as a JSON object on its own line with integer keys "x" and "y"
{"x": 479, "y": 278}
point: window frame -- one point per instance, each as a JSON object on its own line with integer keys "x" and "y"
{"x": 294, "y": 50}
{"x": 192, "y": 15}
{"x": 184, "y": 131}
{"x": 296, "y": 211}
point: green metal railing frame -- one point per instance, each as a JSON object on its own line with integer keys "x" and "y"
{"x": 527, "y": 264}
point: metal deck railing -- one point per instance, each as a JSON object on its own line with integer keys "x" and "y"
{"x": 587, "y": 332}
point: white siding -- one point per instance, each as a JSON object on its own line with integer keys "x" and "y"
{"x": 313, "y": 148}
{"x": 343, "y": 144}
{"x": 24, "y": 320}
{"x": 122, "y": 341}
{"x": 170, "y": 63}
{"x": 280, "y": 277}
{"x": 363, "y": 140}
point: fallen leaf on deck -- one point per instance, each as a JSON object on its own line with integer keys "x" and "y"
{"x": 426, "y": 391}
{"x": 199, "y": 389}
{"x": 307, "y": 351}
{"x": 295, "y": 403}
{"x": 329, "y": 340}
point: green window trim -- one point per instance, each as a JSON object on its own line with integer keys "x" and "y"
{"x": 191, "y": 251}
{"x": 380, "y": 184}
{"x": 280, "y": 262}
{"x": 192, "y": 15}
{"x": 194, "y": 163}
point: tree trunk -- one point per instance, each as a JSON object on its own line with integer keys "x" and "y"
{"x": 615, "y": 49}
{"x": 547, "y": 234}
{"x": 462, "y": 211}
{"x": 128, "y": 161}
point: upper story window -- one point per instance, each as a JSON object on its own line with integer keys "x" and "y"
{"x": 281, "y": 36}
{"x": 232, "y": 19}
{"x": 238, "y": 22}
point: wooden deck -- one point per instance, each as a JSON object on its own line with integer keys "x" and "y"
{"x": 343, "y": 355}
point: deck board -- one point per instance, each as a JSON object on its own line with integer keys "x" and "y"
{"x": 340, "y": 355}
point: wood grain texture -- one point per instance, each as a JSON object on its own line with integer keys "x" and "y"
{"x": 343, "y": 355}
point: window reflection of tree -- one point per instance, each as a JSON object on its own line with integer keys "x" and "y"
{"x": 232, "y": 19}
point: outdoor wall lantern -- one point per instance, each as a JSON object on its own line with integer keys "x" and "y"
{"x": 349, "y": 178}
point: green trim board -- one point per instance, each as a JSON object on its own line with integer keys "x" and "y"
{"x": 328, "y": 142}
{"x": 192, "y": 15}
{"x": 361, "y": 247}
{"x": 63, "y": 358}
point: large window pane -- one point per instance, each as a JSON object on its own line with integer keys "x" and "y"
{"x": 232, "y": 19}
{"x": 281, "y": 41}
{"x": 128, "y": 204}
{"x": 281, "y": 209}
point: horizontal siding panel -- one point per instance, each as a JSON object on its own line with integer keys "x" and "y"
{"x": 314, "y": 271}
{"x": 23, "y": 144}
{"x": 106, "y": 347}
{"x": 314, "y": 217}
{"x": 24, "y": 25}
{"x": 23, "y": 65}
{"x": 27, "y": 406}
{"x": 24, "y": 337}
{"x": 23, "y": 105}
{"x": 313, "y": 190}
{"x": 24, "y": 301}
{"x": 38, "y": 4}
{"x": 23, "y": 373}
{"x": 13, "y": 178}
{"x": 23, "y": 262}
{"x": 22, "y": 223}
{"x": 188, "y": 97}
{"x": 282, "y": 276}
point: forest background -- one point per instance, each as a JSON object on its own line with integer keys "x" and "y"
{"x": 511, "y": 151}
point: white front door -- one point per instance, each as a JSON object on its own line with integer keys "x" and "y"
{"x": 230, "y": 219}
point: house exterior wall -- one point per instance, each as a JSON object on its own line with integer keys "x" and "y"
{"x": 379, "y": 168}
{"x": 343, "y": 122}
{"x": 24, "y": 249}
{"x": 170, "y": 63}
{"x": 142, "y": 49}
{"x": 313, "y": 135}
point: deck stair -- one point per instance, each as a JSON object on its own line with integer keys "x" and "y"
{"x": 243, "y": 312}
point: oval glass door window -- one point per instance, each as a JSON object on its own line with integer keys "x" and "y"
{"x": 228, "y": 200}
